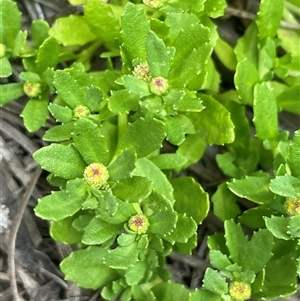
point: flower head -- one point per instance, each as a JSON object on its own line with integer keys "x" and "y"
{"x": 32, "y": 89}
{"x": 159, "y": 86}
{"x": 96, "y": 175}
{"x": 152, "y": 3}
{"x": 292, "y": 206}
{"x": 240, "y": 291}
{"x": 138, "y": 223}
{"x": 142, "y": 72}
{"x": 81, "y": 111}
{"x": 2, "y": 50}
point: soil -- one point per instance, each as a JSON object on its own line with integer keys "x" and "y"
{"x": 29, "y": 257}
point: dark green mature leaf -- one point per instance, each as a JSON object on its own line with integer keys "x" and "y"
{"x": 135, "y": 28}
{"x": 136, "y": 273}
{"x": 90, "y": 143}
{"x": 64, "y": 203}
{"x": 144, "y": 136}
{"x": 86, "y": 269}
{"x": 294, "y": 226}
{"x": 93, "y": 97}
{"x": 269, "y": 17}
{"x": 72, "y": 31}
{"x": 287, "y": 186}
{"x": 10, "y": 22}
{"x": 163, "y": 223}
{"x": 169, "y": 291}
{"x": 102, "y": 20}
{"x": 293, "y": 159}
{"x": 59, "y": 133}
{"x": 123, "y": 101}
{"x": 214, "y": 282}
{"x": 135, "y": 86}
{"x": 265, "y": 112}
{"x": 191, "y": 199}
{"x": 62, "y": 160}
{"x": 35, "y": 113}
{"x": 10, "y": 92}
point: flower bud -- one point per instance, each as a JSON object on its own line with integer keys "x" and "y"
{"x": 152, "y": 3}
{"x": 96, "y": 175}
{"x": 81, "y": 111}
{"x": 2, "y": 50}
{"x": 292, "y": 206}
{"x": 159, "y": 86}
{"x": 138, "y": 223}
{"x": 142, "y": 72}
{"x": 32, "y": 89}
{"x": 240, "y": 291}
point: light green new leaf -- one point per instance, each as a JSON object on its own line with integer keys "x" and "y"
{"x": 202, "y": 294}
{"x": 269, "y": 17}
{"x": 163, "y": 223}
{"x": 287, "y": 186}
{"x": 135, "y": 28}
{"x": 294, "y": 226}
{"x": 293, "y": 159}
{"x": 122, "y": 101}
{"x": 219, "y": 260}
{"x": 136, "y": 273}
{"x": 253, "y": 188}
{"x": 59, "y": 133}
{"x": 62, "y": 160}
{"x": 144, "y": 136}
{"x": 191, "y": 199}
{"x": 72, "y": 31}
{"x": 169, "y": 161}
{"x": 135, "y": 86}
{"x": 215, "y": 8}
{"x": 5, "y": 68}
{"x": 10, "y": 22}
{"x": 93, "y": 97}
{"x": 90, "y": 143}
{"x": 288, "y": 100}
{"x": 169, "y": 291}
{"x": 35, "y": 113}
{"x": 226, "y": 54}
{"x": 86, "y": 269}
{"x": 10, "y": 92}
{"x": 214, "y": 282}
{"x": 64, "y": 203}
{"x": 278, "y": 226}
{"x": 61, "y": 114}
{"x": 39, "y": 31}
{"x": 265, "y": 112}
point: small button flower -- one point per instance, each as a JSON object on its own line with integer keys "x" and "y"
{"x": 292, "y": 206}
{"x": 96, "y": 175}
{"x": 81, "y": 111}
{"x": 138, "y": 223}
{"x": 159, "y": 86}
{"x": 32, "y": 89}
{"x": 152, "y": 3}
{"x": 2, "y": 50}
{"x": 142, "y": 72}
{"x": 240, "y": 291}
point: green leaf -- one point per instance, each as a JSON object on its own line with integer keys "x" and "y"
{"x": 5, "y": 68}
{"x": 93, "y": 97}
{"x": 219, "y": 260}
{"x": 102, "y": 20}
{"x": 48, "y": 54}
{"x": 245, "y": 78}
{"x": 253, "y": 188}
{"x": 188, "y": 103}
{"x": 213, "y": 122}
{"x": 225, "y": 203}
{"x": 72, "y": 31}
{"x": 278, "y": 226}
{"x": 145, "y": 168}
{"x": 122, "y": 167}
{"x": 201, "y": 294}
{"x": 169, "y": 291}
{"x": 287, "y": 186}
{"x": 62, "y": 160}
{"x": 135, "y": 28}
{"x": 269, "y": 17}
{"x": 136, "y": 273}
{"x": 64, "y": 203}
{"x": 125, "y": 239}
{"x": 123, "y": 101}
{"x": 174, "y": 130}
{"x": 215, "y": 8}
{"x": 191, "y": 199}
{"x": 214, "y": 283}
{"x": 293, "y": 159}
{"x": 10, "y": 92}
{"x": 135, "y": 86}
{"x": 163, "y": 223}
{"x": 85, "y": 268}
{"x": 89, "y": 141}
{"x": 265, "y": 112}
{"x": 158, "y": 55}
{"x": 144, "y": 136}
{"x": 59, "y": 133}
{"x": 39, "y": 31}
{"x": 115, "y": 258}
{"x": 133, "y": 190}
{"x": 10, "y": 23}
{"x": 61, "y": 114}
{"x": 226, "y": 54}
{"x": 98, "y": 231}
{"x": 288, "y": 100}
{"x": 35, "y": 114}
{"x": 293, "y": 227}
{"x": 64, "y": 232}
{"x": 169, "y": 161}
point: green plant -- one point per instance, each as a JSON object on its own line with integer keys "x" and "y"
{"x": 121, "y": 199}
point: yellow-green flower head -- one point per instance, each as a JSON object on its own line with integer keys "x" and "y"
{"x": 2, "y": 50}
{"x": 292, "y": 206}
{"x": 138, "y": 223}
{"x": 240, "y": 291}
{"x": 81, "y": 111}
{"x": 96, "y": 175}
{"x": 159, "y": 86}
{"x": 152, "y": 3}
{"x": 32, "y": 89}
{"x": 142, "y": 72}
